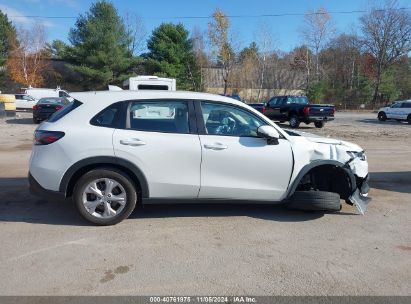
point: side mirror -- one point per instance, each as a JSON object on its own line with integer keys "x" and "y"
{"x": 270, "y": 133}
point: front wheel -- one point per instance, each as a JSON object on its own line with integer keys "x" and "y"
{"x": 294, "y": 122}
{"x": 319, "y": 124}
{"x": 382, "y": 116}
{"x": 105, "y": 196}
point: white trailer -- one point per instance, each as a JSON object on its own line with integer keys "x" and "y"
{"x": 149, "y": 83}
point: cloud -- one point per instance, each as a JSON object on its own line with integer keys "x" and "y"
{"x": 69, "y": 3}
{"x": 14, "y": 15}
{"x": 19, "y": 18}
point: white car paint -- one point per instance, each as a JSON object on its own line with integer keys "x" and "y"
{"x": 186, "y": 165}
{"x": 400, "y": 110}
{"x": 25, "y": 102}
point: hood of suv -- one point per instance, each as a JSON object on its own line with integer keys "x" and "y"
{"x": 326, "y": 140}
{"x": 308, "y": 147}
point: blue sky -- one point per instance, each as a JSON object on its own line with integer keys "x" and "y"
{"x": 284, "y": 29}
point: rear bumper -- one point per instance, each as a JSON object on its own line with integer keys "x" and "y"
{"x": 37, "y": 190}
{"x": 319, "y": 118}
{"x": 41, "y": 116}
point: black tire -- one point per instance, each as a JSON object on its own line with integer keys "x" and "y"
{"x": 409, "y": 119}
{"x": 315, "y": 200}
{"x": 382, "y": 116}
{"x": 294, "y": 121}
{"x": 319, "y": 124}
{"x": 119, "y": 177}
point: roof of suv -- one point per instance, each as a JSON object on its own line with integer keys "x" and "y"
{"x": 114, "y": 96}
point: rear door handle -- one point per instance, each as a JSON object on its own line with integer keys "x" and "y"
{"x": 134, "y": 142}
{"x": 215, "y": 146}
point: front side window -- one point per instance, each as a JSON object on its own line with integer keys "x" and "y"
{"x": 396, "y": 105}
{"x": 228, "y": 120}
{"x": 166, "y": 116}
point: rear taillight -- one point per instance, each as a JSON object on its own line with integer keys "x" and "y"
{"x": 333, "y": 111}
{"x": 47, "y": 137}
{"x": 59, "y": 107}
{"x": 35, "y": 107}
{"x": 306, "y": 110}
{"x": 264, "y": 109}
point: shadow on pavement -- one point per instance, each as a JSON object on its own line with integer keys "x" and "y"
{"x": 391, "y": 181}
{"x": 18, "y": 205}
{"x": 20, "y": 121}
{"x": 381, "y": 123}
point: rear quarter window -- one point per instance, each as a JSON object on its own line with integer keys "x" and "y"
{"x": 110, "y": 117}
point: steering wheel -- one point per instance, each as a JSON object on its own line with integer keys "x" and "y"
{"x": 227, "y": 127}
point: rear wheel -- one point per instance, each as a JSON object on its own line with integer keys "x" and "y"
{"x": 294, "y": 121}
{"x": 315, "y": 200}
{"x": 105, "y": 196}
{"x": 319, "y": 124}
{"x": 382, "y": 116}
{"x": 409, "y": 119}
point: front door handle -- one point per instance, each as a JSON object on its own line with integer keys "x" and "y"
{"x": 134, "y": 142}
{"x": 215, "y": 146}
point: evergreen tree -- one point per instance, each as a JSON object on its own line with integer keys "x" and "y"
{"x": 99, "y": 51}
{"x": 7, "y": 34}
{"x": 171, "y": 55}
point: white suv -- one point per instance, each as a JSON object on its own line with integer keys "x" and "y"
{"x": 109, "y": 150}
{"x": 401, "y": 110}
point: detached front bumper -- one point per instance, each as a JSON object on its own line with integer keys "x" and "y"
{"x": 360, "y": 197}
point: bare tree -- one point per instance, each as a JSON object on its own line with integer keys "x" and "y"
{"x": 266, "y": 45}
{"x": 221, "y": 45}
{"x": 386, "y": 36}
{"x": 199, "y": 49}
{"x": 318, "y": 29}
{"x": 136, "y": 30}
{"x": 26, "y": 63}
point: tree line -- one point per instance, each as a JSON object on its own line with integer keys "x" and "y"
{"x": 368, "y": 66}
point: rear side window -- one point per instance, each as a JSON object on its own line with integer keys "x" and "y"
{"x": 64, "y": 111}
{"x": 406, "y": 105}
{"x": 168, "y": 116}
{"x": 109, "y": 117}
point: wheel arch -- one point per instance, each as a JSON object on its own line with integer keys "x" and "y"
{"x": 78, "y": 169}
{"x": 322, "y": 164}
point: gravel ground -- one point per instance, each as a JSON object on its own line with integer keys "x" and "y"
{"x": 46, "y": 249}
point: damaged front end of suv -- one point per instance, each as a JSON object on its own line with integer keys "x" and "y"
{"x": 325, "y": 164}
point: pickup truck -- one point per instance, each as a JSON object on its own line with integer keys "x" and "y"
{"x": 260, "y": 107}
{"x": 297, "y": 109}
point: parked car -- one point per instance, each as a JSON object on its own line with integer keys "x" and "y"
{"x": 260, "y": 107}
{"x": 400, "y": 111}
{"x": 45, "y": 107}
{"x": 297, "y": 109}
{"x": 25, "y": 102}
{"x": 39, "y": 93}
{"x": 108, "y": 151}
